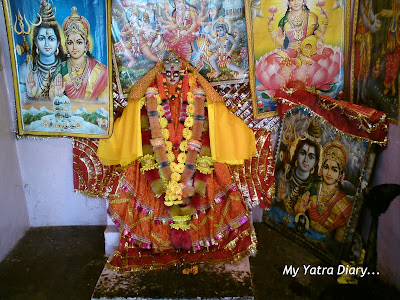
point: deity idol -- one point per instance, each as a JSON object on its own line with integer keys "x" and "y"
{"x": 177, "y": 202}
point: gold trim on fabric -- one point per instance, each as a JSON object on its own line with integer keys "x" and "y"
{"x": 372, "y": 127}
{"x": 251, "y": 250}
{"x": 225, "y": 212}
{"x": 120, "y": 201}
{"x": 159, "y": 240}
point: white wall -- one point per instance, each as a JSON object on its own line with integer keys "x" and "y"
{"x": 46, "y": 166}
{"x": 14, "y": 219}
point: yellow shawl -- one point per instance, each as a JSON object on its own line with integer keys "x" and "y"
{"x": 231, "y": 140}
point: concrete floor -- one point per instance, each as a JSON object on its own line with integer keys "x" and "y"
{"x": 66, "y": 262}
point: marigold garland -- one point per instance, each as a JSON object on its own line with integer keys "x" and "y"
{"x": 173, "y": 171}
{"x": 177, "y": 172}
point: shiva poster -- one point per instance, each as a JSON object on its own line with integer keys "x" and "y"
{"x": 60, "y": 54}
{"x": 297, "y": 43}
{"x": 320, "y": 172}
{"x": 210, "y": 34}
{"x": 375, "y": 76}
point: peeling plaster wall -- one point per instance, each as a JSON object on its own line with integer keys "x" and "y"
{"x": 46, "y": 166}
{"x": 14, "y": 220}
{"x": 388, "y": 171}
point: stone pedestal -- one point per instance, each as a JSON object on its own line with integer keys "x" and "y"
{"x": 111, "y": 237}
{"x": 213, "y": 281}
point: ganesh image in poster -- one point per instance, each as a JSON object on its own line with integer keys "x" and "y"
{"x": 61, "y": 58}
{"x": 297, "y": 43}
{"x": 211, "y": 35}
{"x": 377, "y": 56}
{"x": 318, "y": 171}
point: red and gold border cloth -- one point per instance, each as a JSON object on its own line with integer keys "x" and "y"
{"x": 220, "y": 231}
{"x": 254, "y": 179}
{"x": 90, "y": 176}
{"x": 354, "y": 119}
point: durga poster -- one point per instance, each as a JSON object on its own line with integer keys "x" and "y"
{"x": 297, "y": 43}
{"x": 211, "y": 35}
{"x": 59, "y": 53}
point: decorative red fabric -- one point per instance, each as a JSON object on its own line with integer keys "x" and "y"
{"x": 356, "y": 120}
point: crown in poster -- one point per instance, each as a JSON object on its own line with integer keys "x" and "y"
{"x": 76, "y": 24}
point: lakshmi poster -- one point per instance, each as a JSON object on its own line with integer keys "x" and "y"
{"x": 320, "y": 172}
{"x": 59, "y": 53}
{"x": 211, "y": 35}
{"x": 297, "y": 42}
{"x": 376, "y": 81}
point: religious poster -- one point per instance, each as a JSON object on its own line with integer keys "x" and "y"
{"x": 297, "y": 43}
{"x": 62, "y": 67}
{"x": 211, "y": 35}
{"x": 323, "y": 161}
{"x": 375, "y": 72}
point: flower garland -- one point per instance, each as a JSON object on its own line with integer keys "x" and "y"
{"x": 176, "y": 171}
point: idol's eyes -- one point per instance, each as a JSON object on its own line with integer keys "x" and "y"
{"x": 168, "y": 73}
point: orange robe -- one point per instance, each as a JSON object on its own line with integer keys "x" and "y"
{"x": 220, "y": 229}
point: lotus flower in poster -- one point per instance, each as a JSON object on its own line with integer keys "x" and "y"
{"x": 321, "y": 71}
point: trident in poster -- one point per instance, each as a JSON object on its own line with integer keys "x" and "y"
{"x": 24, "y": 47}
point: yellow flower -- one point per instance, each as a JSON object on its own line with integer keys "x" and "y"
{"x": 205, "y": 164}
{"x": 168, "y": 146}
{"x": 183, "y": 145}
{"x": 172, "y": 166}
{"x": 189, "y": 122}
{"x": 180, "y": 168}
{"x": 174, "y": 188}
{"x": 175, "y": 177}
{"x": 190, "y": 98}
{"x": 187, "y": 133}
{"x": 190, "y": 110}
{"x": 170, "y": 156}
{"x": 160, "y": 110}
{"x": 147, "y": 162}
{"x": 163, "y": 122}
{"x": 165, "y": 133}
{"x": 142, "y": 102}
{"x": 182, "y": 157}
{"x": 158, "y": 99}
